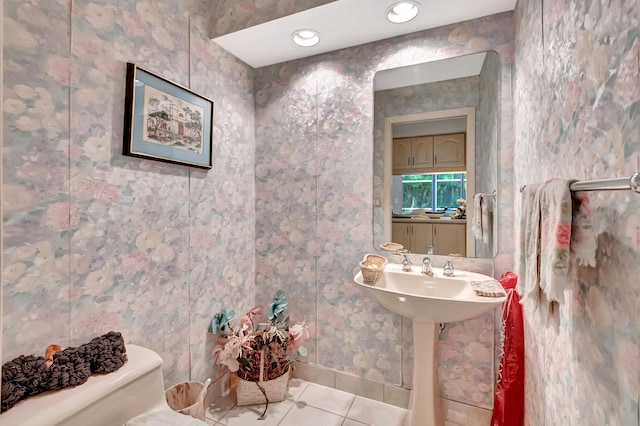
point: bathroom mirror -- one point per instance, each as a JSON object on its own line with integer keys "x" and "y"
{"x": 436, "y": 141}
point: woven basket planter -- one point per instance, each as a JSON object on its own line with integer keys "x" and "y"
{"x": 250, "y": 392}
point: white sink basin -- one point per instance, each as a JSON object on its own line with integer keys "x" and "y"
{"x": 427, "y": 301}
{"x": 435, "y": 299}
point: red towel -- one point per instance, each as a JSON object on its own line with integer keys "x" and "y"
{"x": 508, "y": 405}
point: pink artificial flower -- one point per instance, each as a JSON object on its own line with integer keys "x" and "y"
{"x": 223, "y": 356}
{"x": 232, "y": 347}
{"x": 299, "y": 331}
{"x": 246, "y": 322}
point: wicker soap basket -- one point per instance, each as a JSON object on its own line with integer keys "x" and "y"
{"x": 372, "y": 266}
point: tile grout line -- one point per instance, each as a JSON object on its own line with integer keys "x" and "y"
{"x": 290, "y": 408}
{"x": 346, "y": 416}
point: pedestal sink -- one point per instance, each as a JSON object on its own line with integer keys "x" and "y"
{"x": 428, "y": 301}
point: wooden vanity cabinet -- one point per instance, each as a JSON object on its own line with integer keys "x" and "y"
{"x": 449, "y": 150}
{"x": 446, "y": 238}
{"x": 427, "y": 154}
{"x": 450, "y": 239}
{"x": 412, "y": 153}
{"x": 415, "y": 237}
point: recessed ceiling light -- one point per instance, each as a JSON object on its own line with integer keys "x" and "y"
{"x": 305, "y": 38}
{"x": 403, "y": 11}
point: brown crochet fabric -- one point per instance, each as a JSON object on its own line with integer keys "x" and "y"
{"x": 29, "y": 375}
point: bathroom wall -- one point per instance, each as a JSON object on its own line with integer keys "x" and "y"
{"x": 314, "y": 172}
{"x": 577, "y": 92}
{"x": 95, "y": 241}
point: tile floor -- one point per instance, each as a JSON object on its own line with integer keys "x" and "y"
{"x": 307, "y": 404}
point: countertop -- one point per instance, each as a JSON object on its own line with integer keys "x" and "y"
{"x": 427, "y": 220}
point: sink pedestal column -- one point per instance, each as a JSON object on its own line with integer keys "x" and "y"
{"x": 424, "y": 406}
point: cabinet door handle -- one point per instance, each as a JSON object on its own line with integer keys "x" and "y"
{"x": 435, "y": 159}
{"x": 408, "y": 161}
{"x": 435, "y": 230}
{"x": 413, "y": 161}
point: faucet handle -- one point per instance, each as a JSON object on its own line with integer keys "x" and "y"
{"x": 447, "y": 269}
{"x": 430, "y": 249}
{"x": 406, "y": 263}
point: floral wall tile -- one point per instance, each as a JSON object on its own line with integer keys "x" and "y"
{"x": 121, "y": 243}
{"x": 37, "y": 221}
{"x": 328, "y": 127}
{"x": 576, "y": 116}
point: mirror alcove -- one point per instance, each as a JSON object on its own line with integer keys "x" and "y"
{"x": 439, "y": 107}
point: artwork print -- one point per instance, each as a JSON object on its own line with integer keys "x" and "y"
{"x": 170, "y": 121}
{"x": 166, "y": 122}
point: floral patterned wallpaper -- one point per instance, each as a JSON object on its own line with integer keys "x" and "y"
{"x": 314, "y": 183}
{"x": 576, "y": 112}
{"x": 95, "y": 241}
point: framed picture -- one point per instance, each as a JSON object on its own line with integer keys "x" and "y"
{"x": 166, "y": 122}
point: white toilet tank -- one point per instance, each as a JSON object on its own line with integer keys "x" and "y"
{"x": 104, "y": 400}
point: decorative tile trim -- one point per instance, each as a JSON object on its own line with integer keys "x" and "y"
{"x": 360, "y": 386}
{"x": 396, "y": 395}
{"x": 463, "y": 414}
{"x": 315, "y": 374}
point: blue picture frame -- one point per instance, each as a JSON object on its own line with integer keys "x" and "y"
{"x": 165, "y": 121}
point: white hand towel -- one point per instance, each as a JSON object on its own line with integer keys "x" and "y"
{"x": 476, "y": 227}
{"x": 529, "y": 249}
{"x": 556, "y": 234}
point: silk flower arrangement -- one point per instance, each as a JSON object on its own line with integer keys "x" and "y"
{"x": 259, "y": 351}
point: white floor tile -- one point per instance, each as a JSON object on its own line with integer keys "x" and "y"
{"x": 375, "y": 413}
{"x": 351, "y": 422}
{"x": 307, "y": 404}
{"x": 220, "y": 407}
{"x": 302, "y": 414}
{"x": 296, "y": 387}
{"x": 248, "y": 415}
{"x": 328, "y": 399}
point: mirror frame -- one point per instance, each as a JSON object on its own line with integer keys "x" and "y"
{"x": 470, "y": 153}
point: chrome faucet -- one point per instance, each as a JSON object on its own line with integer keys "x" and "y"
{"x": 430, "y": 249}
{"x": 426, "y": 266}
{"x": 447, "y": 269}
{"x": 406, "y": 264}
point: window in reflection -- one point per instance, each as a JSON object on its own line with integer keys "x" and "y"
{"x": 433, "y": 191}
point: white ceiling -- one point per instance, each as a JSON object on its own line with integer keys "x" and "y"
{"x": 428, "y": 72}
{"x": 346, "y": 23}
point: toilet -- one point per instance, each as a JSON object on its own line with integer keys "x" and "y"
{"x": 135, "y": 390}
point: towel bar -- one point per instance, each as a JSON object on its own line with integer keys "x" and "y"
{"x": 632, "y": 183}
